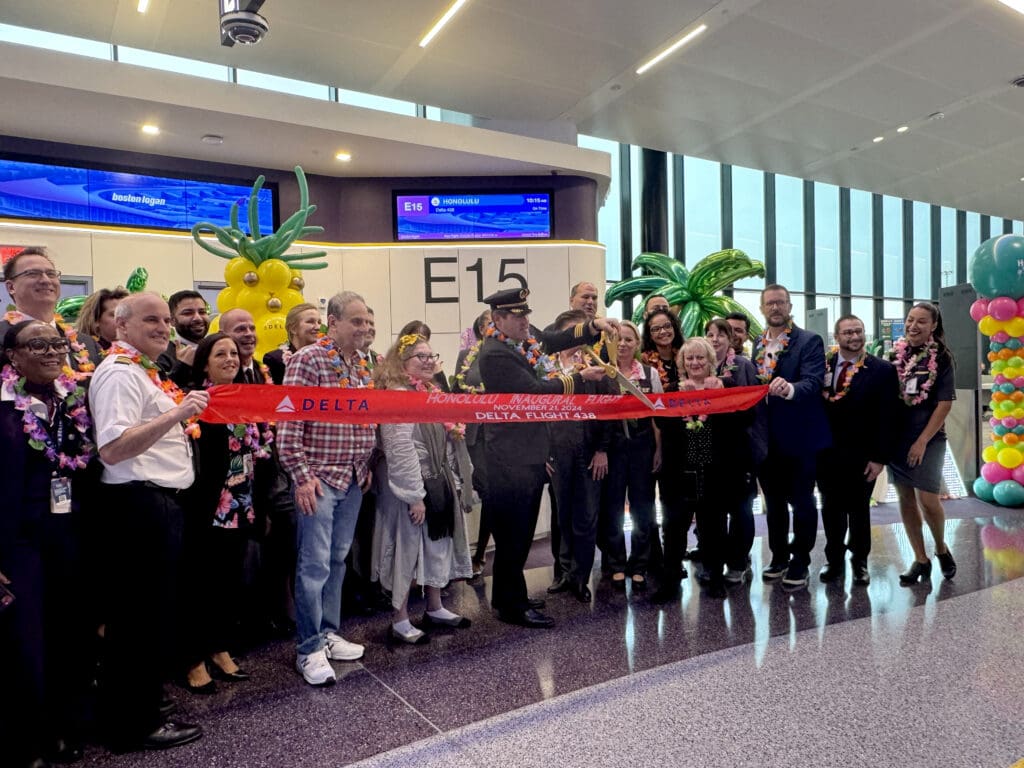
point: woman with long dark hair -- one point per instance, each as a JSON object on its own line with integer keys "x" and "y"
{"x": 924, "y": 366}
{"x": 663, "y": 337}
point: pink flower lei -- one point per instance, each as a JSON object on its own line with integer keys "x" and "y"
{"x": 728, "y": 365}
{"x": 906, "y": 363}
{"x": 457, "y": 431}
{"x": 73, "y": 395}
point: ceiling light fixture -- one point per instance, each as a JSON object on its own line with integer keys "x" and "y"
{"x": 343, "y": 156}
{"x": 878, "y": 139}
{"x": 672, "y": 48}
{"x": 151, "y": 129}
{"x": 903, "y": 129}
{"x": 441, "y": 22}
{"x": 212, "y": 138}
{"x": 1017, "y": 5}
{"x": 143, "y": 6}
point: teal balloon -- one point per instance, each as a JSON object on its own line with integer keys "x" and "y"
{"x": 1013, "y": 344}
{"x": 983, "y": 489}
{"x": 997, "y": 267}
{"x": 1000, "y": 430}
{"x": 1009, "y": 493}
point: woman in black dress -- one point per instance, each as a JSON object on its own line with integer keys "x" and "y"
{"x": 46, "y": 458}
{"x": 924, "y": 366}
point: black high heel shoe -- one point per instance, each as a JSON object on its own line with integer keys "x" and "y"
{"x": 946, "y": 563}
{"x": 922, "y": 571}
{"x": 238, "y": 676}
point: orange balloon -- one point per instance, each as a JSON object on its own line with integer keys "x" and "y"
{"x": 1005, "y": 354}
{"x": 998, "y": 397}
{"x": 992, "y": 357}
{"x": 1017, "y": 396}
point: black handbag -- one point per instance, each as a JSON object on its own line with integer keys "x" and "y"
{"x": 440, "y": 499}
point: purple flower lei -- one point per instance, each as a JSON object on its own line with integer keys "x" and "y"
{"x": 39, "y": 438}
{"x": 906, "y": 363}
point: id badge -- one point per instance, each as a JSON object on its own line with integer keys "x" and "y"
{"x": 60, "y": 495}
{"x": 247, "y": 464}
{"x": 911, "y": 387}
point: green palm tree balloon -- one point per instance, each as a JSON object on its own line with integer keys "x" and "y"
{"x": 691, "y": 292}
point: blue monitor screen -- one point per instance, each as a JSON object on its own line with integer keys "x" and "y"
{"x": 63, "y": 193}
{"x": 472, "y": 216}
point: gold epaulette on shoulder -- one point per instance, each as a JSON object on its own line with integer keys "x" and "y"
{"x": 568, "y": 384}
{"x": 577, "y": 330}
{"x": 123, "y": 360}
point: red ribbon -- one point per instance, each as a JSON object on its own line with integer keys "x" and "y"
{"x": 239, "y": 403}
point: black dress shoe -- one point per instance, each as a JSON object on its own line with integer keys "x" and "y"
{"x": 922, "y": 571}
{"x": 774, "y": 571}
{"x": 528, "y": 618}
{"x": 238, "y": 676}
{"x": 171, "y": 734}
{"x": 582, "y": 593}
{"x": 561, "y": 584}
{"x": 832, "y": 572}
{"x": 639, "y": 585}
{"x": 535, "y": 603}
{"x": 947, "y": 564}
{"x": 715, "y": 588}
{"x": 861, "y": 577}
{"x": 65, "y": 751}
{"x": 167, "y": 706}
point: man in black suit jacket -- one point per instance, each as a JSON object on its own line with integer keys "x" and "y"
{"x": 191, "y": 324}
{"x": 860, "y": 399}
{"x": 516, "y": 453}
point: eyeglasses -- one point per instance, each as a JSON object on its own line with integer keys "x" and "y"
{"x": 423, "y": 357}
{"x": 856, "y": 332}
{"x": 660, "y": 328}
{"x": 776, "y": 304}
{"x": 35, "y": 274}
{"x": 40, "y": 346}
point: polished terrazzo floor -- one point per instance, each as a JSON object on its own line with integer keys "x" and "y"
{"x": 511, "y": 679}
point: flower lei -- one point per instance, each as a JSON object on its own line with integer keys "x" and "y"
{"x": 765, "y": 367}
{"x": 653, "y": 359}
{"x": 543, "y": 365}
{"x": 906, "y": 364}
{"x": 636, "y": 371}
{"x": 82, "y": 361}
{"x": 457, "y": 430}
{"x": 728, "y": 365}
{"x": 167, "y": 387}
{"x": 363, "y": 379}
{"x": 39, "y": 438}
{"x": 851, "y": 372}
{"x": 467, "y": 363}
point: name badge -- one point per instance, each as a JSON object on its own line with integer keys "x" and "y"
{"x": 60, "y": 495}
{"x": 911, "y": 387}
{"x": 247, "y": 464}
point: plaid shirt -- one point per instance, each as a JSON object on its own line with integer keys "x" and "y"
{"x": 330, "y": 452}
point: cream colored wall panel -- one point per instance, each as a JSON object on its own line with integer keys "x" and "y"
{"x": 549, "y": 283}
{"x": 407, "y": 296}
{"x": 322, "y": 283}
{"x": 71, "y": 250}
{"x": 205, "y": 266}
{"x": 366, "y": 271}
{"x": 169, "y": 261}
{"x": 446, "y": 345}
{"x": 444, "y": 318}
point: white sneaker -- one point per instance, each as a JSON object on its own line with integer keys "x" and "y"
{"x": 315, "y": 668}
{"x": 340, "y": 649}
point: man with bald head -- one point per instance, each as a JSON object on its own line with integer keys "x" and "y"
{"x": 240, "y": 326}
{"x": 147, "y": 466}
{"x": 583, "y": 297}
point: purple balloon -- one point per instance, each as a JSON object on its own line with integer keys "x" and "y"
{"x": 995, "y": 472}
{"x": 1002, "y": 308}
{"x": 980, "y": 308}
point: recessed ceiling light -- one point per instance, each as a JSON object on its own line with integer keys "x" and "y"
{"x": 1022, "y": 178}
{"x": 212, "y": 138}
{"x": 1017, "y": 5}
{"x": 143, "y": 6}
{"x": 343, "y": 156}
{"x": 441, "y": 22}
{"x": 878, "y": 139}
{"x": 903, "y": 129}
{"x": 151, "y": 129}
{"x": 672, "y": 48}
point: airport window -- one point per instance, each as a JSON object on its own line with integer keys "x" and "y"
{"x": 861, "y": 272}
{"x": 892, "y": 246}
{"x": 380, "y": 103}
{"x": 789, "y": 235}
{"x": 54, "y": 42}
{"x": 922, "y": 251}
{"x": 636, "y": 172}
{"x": 973, "y": 234}
{"x": 283, "y": 84}
{"x": 826, "y": 239}
{"x": 865, "y": 310}
{"x": 748, "y": 219}
{"x": 182, "y": 66}
{"x": 702, "y": 203}
{"x": 947, "y": 246}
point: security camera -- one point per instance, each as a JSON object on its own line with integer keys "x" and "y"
{"x": 241, "y": 23}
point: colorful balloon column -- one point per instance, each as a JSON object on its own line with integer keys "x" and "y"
{"x": 261, "y": 278}
{"x": 997, "y": 274}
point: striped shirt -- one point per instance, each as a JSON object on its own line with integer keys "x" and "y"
{"x": 330, "y": 452}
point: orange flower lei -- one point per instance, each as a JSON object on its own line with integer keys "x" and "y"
{"x": 543, "y": 365}
{"x": 653, "y": 359}
{"x": 364, "y": 378}
{"x": 829, "y": 362}
{"x": 82, "y": 361}
{"x": 168, "y": 387}
{"x": 765, "y": 367}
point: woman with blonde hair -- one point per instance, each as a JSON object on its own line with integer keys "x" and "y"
{"x": 96, "y": 316}
{"x": 302, "y": 323}
{"x": 420, "y": 534}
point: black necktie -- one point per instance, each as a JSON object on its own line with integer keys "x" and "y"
{"x": 249, "y": 377}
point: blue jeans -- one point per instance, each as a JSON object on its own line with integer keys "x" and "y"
{"x": 324, "y": 539}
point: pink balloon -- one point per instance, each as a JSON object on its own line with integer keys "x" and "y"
{"x": 1001, "y": 308}
{"x": 1020, "y": 307}
{"x": 1002, "y": 337}
{"x": 1018, "y": 474}
{"x": 995, "y": 472}
{"x": 1009, "y": 422}
{"x": 1000, "y": 379}
{"x": 979, "y": 309}
{"x": 1019, "y": 382}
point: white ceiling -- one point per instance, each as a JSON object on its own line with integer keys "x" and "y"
{"x": 799, "y": 87}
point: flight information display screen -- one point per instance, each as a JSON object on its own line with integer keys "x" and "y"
{"x": 86, "y": 195}
{"x": 473, "y": 216}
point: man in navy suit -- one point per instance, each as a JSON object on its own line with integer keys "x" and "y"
{"x": 860, "y": 399}
{"x": 792, "y": 362}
